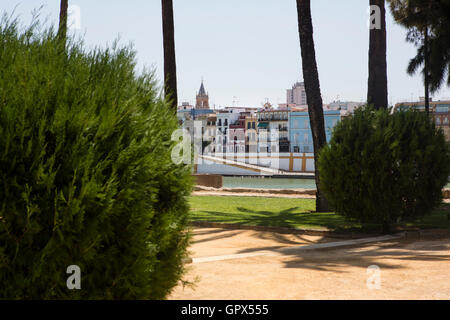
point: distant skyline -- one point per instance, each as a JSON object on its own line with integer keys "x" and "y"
{"x": 245, "y": 51}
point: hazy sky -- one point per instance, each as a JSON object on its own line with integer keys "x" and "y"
{"x": 248, "y": 49}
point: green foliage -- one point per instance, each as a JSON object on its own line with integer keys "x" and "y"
{"x": 86, "y": 173}
{"x": 385, "y": 167}
{"x": 432, "y": 16}
{"x": 293, "y": 213}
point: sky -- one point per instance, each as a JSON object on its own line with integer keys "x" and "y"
{"x": 246, "y": 51}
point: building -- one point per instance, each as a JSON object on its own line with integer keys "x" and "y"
{"x": 192, "y": 114}
{"x": 440, "y": 111}
{"x": 300, "y": 134}
{"x": 347, "y": 107}
{"x": 201, "y": 110}
{"x": 185, "y": 106}
{"x": 273, "y": 128}
{"x": 196, "y": 129}
{"x": 251, "y": 139}
{"x": 236, "y": 136}
{"x": 202, "y": 99}
{"x": 224, "y": 119}
{"x": 297, "y": 95}
{"x": 210, "y": 133}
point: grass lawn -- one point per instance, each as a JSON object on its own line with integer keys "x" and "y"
{"x": 289, "y": 212}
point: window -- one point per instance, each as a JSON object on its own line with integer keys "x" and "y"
{"x": 438, "y": 120}
{"x": 220, "y": 122}
{"x": 305, "y": 124}
{"x": 442, "y": 108}
{"x": 226, "y": 122}
{"x": 446, "y": 120}
{"x": 305, "y": 138}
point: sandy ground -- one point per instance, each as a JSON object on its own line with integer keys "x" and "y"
{"x": 407, "y": 269}
{"x": 217, "y": 241}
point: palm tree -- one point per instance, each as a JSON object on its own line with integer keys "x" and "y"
{"x": 62, "y": 31}
{"x": 427, "y": 23}
{"x": 312, "y": 87}
{"x": 377, "y": 93}
{"x": 170, "y": 69}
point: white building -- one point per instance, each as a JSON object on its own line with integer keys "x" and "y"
{"x": 224, "y": 119}
{"x": 345, "y": 107}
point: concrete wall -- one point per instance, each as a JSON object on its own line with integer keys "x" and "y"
{"x": 447, "y": 133}
{"x": 209, "y": 180}
{"x": 286, "y": 161}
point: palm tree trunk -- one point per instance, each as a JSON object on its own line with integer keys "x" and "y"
{"x": 62, "y": 31}
{"x": 377, "y": 93}
{"x": 425, "y": 70}
{"x": 312, "y": 87}
{"x": 170, "y": 69}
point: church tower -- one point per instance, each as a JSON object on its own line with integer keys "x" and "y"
{"x": 202, "y": 101}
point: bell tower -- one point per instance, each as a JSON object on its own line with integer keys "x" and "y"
{"x": 202, "y": 100}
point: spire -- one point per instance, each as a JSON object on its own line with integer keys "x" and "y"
{"x": 202, "y": 91}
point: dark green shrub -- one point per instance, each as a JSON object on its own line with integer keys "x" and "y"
{"x": 385, "y": 167}
{"x": 86, "y": 173}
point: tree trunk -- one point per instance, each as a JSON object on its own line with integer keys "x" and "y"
{"x": 170, "y": 73}
{"x": 377, "y": 93}
{"x": 313, "y": 95}
{"x": 386, "y": 227}
{"x": 425, "y": 70}
{"x": 62, "y": 31}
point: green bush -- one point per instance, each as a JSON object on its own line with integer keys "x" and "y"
{"x": 385, "y": 167}
{"x": 86, "y": 173}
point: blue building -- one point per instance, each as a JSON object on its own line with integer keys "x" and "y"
{"x": 300, "y": 134}
{"x": 192, "y": 114}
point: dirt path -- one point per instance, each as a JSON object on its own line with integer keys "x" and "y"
{"x": 408, "y": 270}
{"x": 217, "y": 241}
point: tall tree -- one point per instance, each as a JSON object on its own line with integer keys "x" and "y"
{"x": 426, "y": 74}
{"x": 62, "y": 31}
{"x": 377, "y": 92}
{"x": 170, "y": 69}
{"x": 313, "y": 95}
{"x": 427, "y": 22}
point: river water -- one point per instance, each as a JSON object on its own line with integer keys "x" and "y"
{"x": 271, "y": 183}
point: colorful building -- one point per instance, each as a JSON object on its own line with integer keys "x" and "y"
{"x": 439, "y": 110}
{"x": 236, "y": 136}
{"x": 273, "y": 132}
{"x": 300, "y": 134}
{"x": 251, "y": 139}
